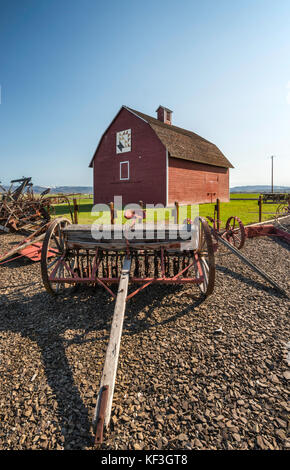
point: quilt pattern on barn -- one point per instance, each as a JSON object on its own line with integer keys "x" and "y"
{"x": 123, "y": 141}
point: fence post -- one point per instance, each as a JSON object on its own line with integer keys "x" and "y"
{"x": 141, "y": 204}
{"x": 260, "y": 208}
{"x": 76, "y": 208}
{"x": 218, "y": 213}
{"x": 177, "y": 211}
{"x": 112, "y": 213}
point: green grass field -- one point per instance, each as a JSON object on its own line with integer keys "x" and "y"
{"x": 246, "y": 210}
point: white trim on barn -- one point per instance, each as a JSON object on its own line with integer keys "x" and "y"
{"x": 128, "y": 172}
{"x": 122, "y": 107}
{"x": 130, "y": 111}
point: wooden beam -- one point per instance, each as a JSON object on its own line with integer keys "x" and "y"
{"x": 76, "y": 209}
{"x": 112, "y": 211}
{"x": 102, "y": 416}
{"x": 260, "y": 202}
{"x": 218, "y": 214}
{"x": 177, "y": 212}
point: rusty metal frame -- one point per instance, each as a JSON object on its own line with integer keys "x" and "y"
{"x": 108, "y": 279}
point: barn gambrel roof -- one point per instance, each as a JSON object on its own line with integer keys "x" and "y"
{"x": 182, "y": 143}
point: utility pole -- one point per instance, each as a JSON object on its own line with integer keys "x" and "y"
{"x": 272, "y": 158}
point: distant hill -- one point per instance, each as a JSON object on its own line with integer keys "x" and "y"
{"x": 61, "y": 189}
{"x": 89, "y": 189}
{"x": 260, "y": 189}
{"x": 65, "y": 189}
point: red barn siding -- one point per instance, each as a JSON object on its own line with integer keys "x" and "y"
{"x": 147, "y": 161}
{"x": 191, "y": 182}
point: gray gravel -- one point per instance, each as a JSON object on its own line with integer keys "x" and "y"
{"x": 192, "y": 375}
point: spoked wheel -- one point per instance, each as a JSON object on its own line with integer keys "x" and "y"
{"x": 282, "y": 210}
{"x": 56, "y": 261}
{"x": 205, "y": 263}
{"x": 235, "y": 232}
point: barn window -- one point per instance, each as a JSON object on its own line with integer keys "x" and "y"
{"x": 124, "y": 171}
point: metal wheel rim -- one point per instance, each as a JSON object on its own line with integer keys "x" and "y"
{"x": 54, "y": 234}
{"x": 206, "y": 259}
{"x": 237, "y": 235}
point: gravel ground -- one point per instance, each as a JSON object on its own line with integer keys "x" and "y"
{"x": 191, "y": 375}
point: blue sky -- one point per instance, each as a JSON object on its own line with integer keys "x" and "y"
{"x": 67, "y": 66}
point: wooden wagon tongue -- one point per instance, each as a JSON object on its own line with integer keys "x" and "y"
{"x": 105, "y": 396}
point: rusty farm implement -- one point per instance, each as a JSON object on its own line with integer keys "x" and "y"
{"x": 125, "y": 260}
{"x": 234, "y": 232}
{"x": 23, "y": 212}
{"x": 21, "y": 209}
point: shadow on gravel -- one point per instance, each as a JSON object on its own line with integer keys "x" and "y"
{"x": 281, "y": 243}
{"x": 151, "y": 300}
{"x": 45, "y": 320}
{"x": 19, "y": 262}
{"x": 46, "y": 327}
{"x": 247, "y": 280}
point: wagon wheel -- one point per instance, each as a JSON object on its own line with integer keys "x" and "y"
{"x": 205, "y": 257}
{"x": 235, "y": 232}
{"x": 282, "y": 210}
{"x": 53, "y": 252}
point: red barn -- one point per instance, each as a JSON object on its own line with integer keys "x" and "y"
{"x": 143, "y": 158}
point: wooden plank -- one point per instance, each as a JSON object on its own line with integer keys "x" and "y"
{"x": 112, "y": 354}
{"x": 115, "y": 227}
{"x": 117, "y": 233}
{"x": 168, "y": 245}
{"x": 176, "y": 212}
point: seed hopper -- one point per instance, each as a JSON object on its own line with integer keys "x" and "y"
{"x": 132, "y": 257}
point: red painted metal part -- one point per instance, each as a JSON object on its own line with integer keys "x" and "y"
{"x": 112, "y": 280}
{"x": 199, "y": 268}
{"x": 260, "y": 230}
{"x": 33, "y": 252}
{"x": 267, "y": 230}
{"x": 284, "y": 235}
{"x": 106, "y": 281}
